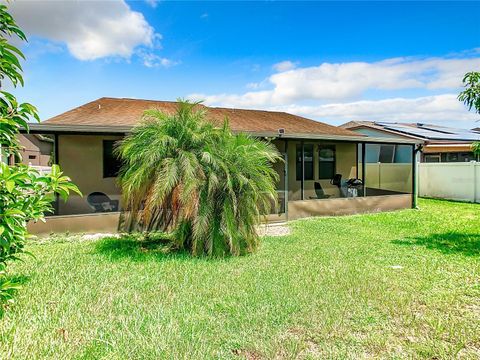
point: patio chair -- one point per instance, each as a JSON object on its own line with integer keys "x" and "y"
{"x": 100, "y": 202}
{"x": 319, "y": 192}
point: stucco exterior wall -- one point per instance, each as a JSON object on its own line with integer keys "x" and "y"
{"x": 347, "y": 206}
{"x": 81, "y": 158}
{"x": 86, "y": 223}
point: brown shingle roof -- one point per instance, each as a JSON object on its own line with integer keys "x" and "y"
{"x": 127, "y": 112}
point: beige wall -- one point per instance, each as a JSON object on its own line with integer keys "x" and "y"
{"x": 87, "y": 223}
{"x": 81, "y": 158}
{"x": 347, "y": 206}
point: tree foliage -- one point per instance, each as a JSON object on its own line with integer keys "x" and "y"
{"x": 25, "y": 194}
{"x": 471, "y": 95}
{"x": 204, "y": 183}
{"x": 471, "y": 98}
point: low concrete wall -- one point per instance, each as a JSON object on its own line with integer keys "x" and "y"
{"x": 453, "y": 181}
{"x": 347, "y": 206}
{"x": 108, "y": 222}
{"x": 88, "y": 223}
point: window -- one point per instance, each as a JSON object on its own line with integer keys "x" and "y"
{"x": 111, "y": 164}
{"x": 386, "y": 154}
{"x": 32, "y": 157}
{"x": 431, "y": 158}
{"x": 326, "y": 161}
{"x": 458, "y": 157}
{"x": 308, "y": 161}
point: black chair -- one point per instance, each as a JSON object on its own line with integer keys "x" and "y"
{"x": 100, "y": 202}
{"x": 319, "y": 192}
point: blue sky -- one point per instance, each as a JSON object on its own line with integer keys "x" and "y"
{"x": 331, "y": 61}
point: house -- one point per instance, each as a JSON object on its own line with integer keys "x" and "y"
{"x": 35, "y": 150}
{"x": 319, "y": 161}
{"x": 440, "y": 143}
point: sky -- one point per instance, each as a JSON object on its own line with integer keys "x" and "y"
{"x": 329, "y": 61}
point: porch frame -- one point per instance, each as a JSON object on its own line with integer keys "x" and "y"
{"x": 415, "y": 150}
{"x": 359, "y": 141}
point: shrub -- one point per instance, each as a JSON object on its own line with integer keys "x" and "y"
{"x": 25, "y": 194}
{"x": 204, "y": 183}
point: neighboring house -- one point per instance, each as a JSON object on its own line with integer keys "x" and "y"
{"x": 319, "y": 159}
{"x": 440, "y": 143}
{"x": 35, "y": 150}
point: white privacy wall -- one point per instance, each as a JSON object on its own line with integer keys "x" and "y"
{"x": 454, "y": 181}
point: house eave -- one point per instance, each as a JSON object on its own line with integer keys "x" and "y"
{"x": 45, "y": 128}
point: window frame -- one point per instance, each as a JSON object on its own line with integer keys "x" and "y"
{"x": 332, "y": 147}
{"x": 116, "y": 168}
{"x": 298, "y": 163}
{"x": 381, "y": 153}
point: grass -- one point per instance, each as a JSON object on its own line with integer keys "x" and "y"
{"x": 392, "y": 285}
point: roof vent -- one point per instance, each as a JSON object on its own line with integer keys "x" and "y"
{"x": 99, "y": 106}
{"x": 281, "y": 131}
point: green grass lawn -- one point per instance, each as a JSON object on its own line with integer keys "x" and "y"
{"x": 393, "y": 285}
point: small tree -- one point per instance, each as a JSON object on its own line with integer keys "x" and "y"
{"x": 203, "y": 183}
{"x": 25, "y": 194}
{"x": 471, "y": 97}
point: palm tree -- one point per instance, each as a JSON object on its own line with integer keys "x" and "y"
{"x": 205, "y": 184}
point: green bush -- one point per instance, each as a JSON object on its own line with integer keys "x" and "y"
{"x": 25, "y": 194}
{"x": 207, "y": 185}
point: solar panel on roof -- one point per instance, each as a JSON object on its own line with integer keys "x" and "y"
{"x": 413, "y": 131}
{"x": 434, "y": 132}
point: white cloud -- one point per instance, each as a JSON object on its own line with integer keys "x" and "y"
{"x": 338, "y": 92}
{"x": 152, "y": 3}
{"x": 90, "y": 29}
{"x": 152, "y": 60}
{"x": 284, "y": 66}
{"x": 351, "y": 80}
{"x": 436, "y": 109}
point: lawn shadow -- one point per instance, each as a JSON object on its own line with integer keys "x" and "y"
{"x": 155, "y": 248}
{"x": 137, "y": 248}
{"x": 447, "y": 243}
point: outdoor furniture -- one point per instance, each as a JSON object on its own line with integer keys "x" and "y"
{"x": 342, "y": 185}
{"x": 354, "y": 187}
{"x": 100, "y": 202}
{"x": 319, "y": 192}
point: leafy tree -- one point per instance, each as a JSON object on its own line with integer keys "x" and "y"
{"x": 25, "y": 194}
{"x": 471, "y": 97}
{"x": 204, "y": 183}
